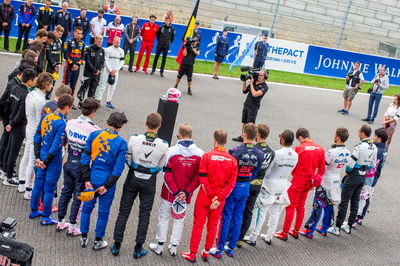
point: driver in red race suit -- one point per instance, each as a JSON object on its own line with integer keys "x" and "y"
{"x": 217, "y": 176}
{"x": 310, "y": 167}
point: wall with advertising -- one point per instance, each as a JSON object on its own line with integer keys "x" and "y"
{"x": 282, "y": 55}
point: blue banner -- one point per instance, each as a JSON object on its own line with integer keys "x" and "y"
{"x": 208, "y": 38}
{"x": 337, "y": 63}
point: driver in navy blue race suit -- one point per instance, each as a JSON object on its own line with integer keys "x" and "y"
{"x": 250, "y": 161}
{"x": 48, "y": 145}
{"x": 260, "y": 52}
{"x": 102, "y": 163}
{"x": 74, "y": 51}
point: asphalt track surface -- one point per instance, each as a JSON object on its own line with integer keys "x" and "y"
{"x": 217, "y": 104}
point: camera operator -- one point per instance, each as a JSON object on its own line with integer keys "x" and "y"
{"x": 256, "y": 89}
{"x": 379, "y": 84}
{"x": 354, "y": 80}
{"x": 190, "y": 51}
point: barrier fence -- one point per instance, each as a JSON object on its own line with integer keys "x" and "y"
{"x": 282, "y": 55}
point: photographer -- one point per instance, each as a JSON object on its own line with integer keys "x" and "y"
{"x": 256, "y": 89}
{"x": 190, "y": 51}
{"x": 380, "y": 83}
{"x": 354, "y": 80}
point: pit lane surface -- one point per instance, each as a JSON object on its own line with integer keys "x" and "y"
{"x": 217, "y": 104}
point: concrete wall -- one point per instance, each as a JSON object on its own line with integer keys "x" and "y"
{"x": 371, "y": 24}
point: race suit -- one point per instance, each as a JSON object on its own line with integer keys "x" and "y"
{"x": 362, "y": 159}
{"x": 328, "y": 194}
{"x": 371, "y": 178}
{"x": 48, "y": 142}
{"x": 180, "y": 175}
{"x": 255, "y": 187}
{"x": 114, "y": 60}
{"x": 34, "y": 104}
{"x": 102, "y": 163}
{"x": 146, "y": 157}
{"x": 56, "y": 56}
{"x": 94, "y": 61}
{"x": 148, "y": 34}
{"x": 311, "y": 161}
{"x": 217, "y": 176}
{"x": 78, "y": 131}
{"x": 273, "y": 195}
{"x": 74, "y": 54}
{"x": 250, "y": 161}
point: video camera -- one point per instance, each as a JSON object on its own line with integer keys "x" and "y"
{"x": 251, "y": 72}
{"x": 7, "y": 227}
{"x": 189, "y": 42}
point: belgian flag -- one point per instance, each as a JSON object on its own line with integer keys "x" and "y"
{"x": 189, "y": 31}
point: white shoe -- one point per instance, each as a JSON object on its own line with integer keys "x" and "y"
{"x": 21, "y": 188}
{"x": 2, "y": 174}
{"x": 334, "y": 230}
{"x": 346, "y": 228}
{"x": 172, "y": 249}
{"x": 28, "y": 195}
{"x": 11, "y": 183}
{"x": 266, "y": 239}
{"x": 158, "y": 249}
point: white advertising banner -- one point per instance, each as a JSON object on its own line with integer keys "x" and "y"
{"x": 282, "y": 55}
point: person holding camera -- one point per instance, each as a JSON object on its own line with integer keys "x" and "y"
{"x": 256, "y": 89}
{"x": 354, "y": 80}
{"x": 221, "y": 51}
{"x": 190, "y": 51}
{"x": 380, "y": 83}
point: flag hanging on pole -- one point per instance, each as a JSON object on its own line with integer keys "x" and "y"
{"x": 249, "y": 51}
{"x": 189, "y": 31}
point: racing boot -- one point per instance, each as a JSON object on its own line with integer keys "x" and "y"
{"x": 48, "y": 221}
{"x": 240, "y": 243}
{"x": 109, "y": 105}
{"x": 28, "y": 194}
{"x": 293, "y": 232}
{"x": 115, "y": 250}
{"x": 204, "y": 255}
{"x": 306, "y": 233}
{"x": 250, "y": 240}
{"x": 172, "y": 250}
{"x": 359, "y": 220}
{"x": 281, "y": 235}
{"x": 62, "y": 225}
{"x": 334, "y": 230}
{"x": 266, "y": 239}
{"x": 189, "y": 256}
{"x": 230, "y": 252}
{"x": 34, "y": 214}
{"x": 346, "y": 228}
{"x": 140, "y": 252}
{"x": 321, "y": 231}
{"x": 84, "y": 241}
{"x": 216, "y": 253}
{"x": 157, "y": 248}
{"x": 21, "y": 186}
{"x": 73, "y": 230}
{"x": 99, "y": 244}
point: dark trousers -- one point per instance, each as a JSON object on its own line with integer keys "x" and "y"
{"x": 90, "y": 85}
{"x": 73, "y": 184}
{"x": 259, "y": 63}
{"x": 22, "y": 31}
{"x": 131, "y": 47}
{"x": 64, "y": 37}
{"x": 248, "y": 211}
{"x": 70, "y": 77}
{"x": 374, "y": 101}
{"x": 164, "y": 51}
{"x": 350, "y": 193}
{"x": 133, "y": 187}
{"x": 6, "y": 38}
{"x": 17, "y": 136}
{"x": 5, "y": 137}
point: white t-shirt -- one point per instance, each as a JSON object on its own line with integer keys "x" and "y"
{"x": 98, "y": 25}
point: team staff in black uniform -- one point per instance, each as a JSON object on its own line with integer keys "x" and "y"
{"x": 83, "y": 22}
{"x": 6, "y": 17}
{"x": 64, "y": 18}
{"x": 45, "y": 16}
{"x": 255, "y": 92}
{"x": 190, "y": 51}
{"x": 165, "y": 36}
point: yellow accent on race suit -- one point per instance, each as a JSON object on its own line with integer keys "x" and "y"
{"x": 100, "y": 144}
{"x": 47, "y": 122}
